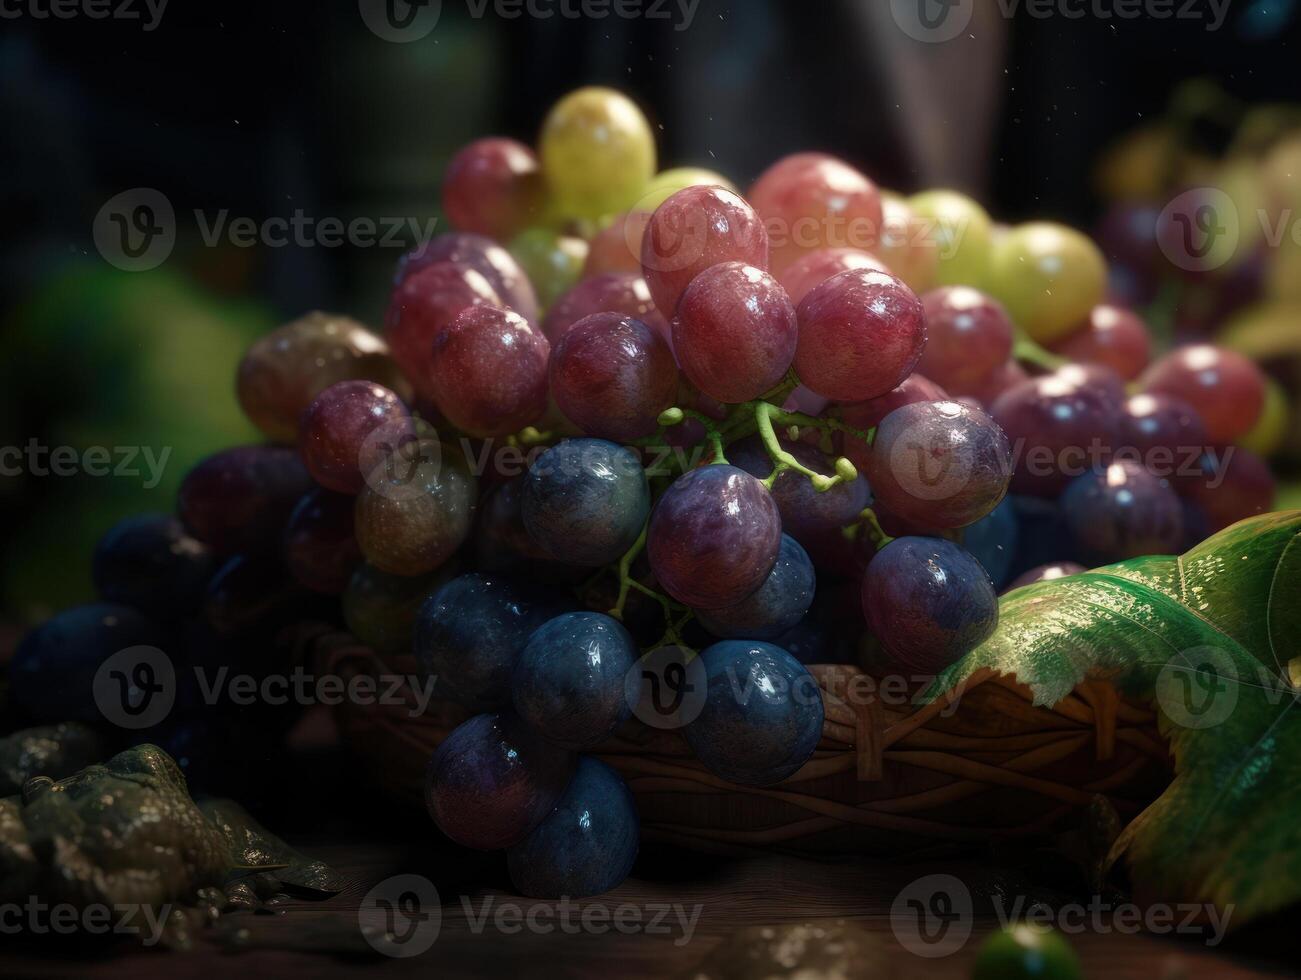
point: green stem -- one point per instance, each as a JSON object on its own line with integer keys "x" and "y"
{"x": 626, "y": 581}
{"x": 764, "y": 413}
{"x": 879, "y": 538}
{"x": 1032, "y": 352}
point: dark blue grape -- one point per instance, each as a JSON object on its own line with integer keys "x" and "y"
{"x": 502, "y": 543}
{"x": 52, "y": 674}
{"x": 1043, "y": 536}
{"x": 762, "y": 716}
{"x": 568, "y": 682}
{"x": 929, "y": 603}
{"x": 492, "y": 781}
{"x": 774, "y": 607}
{"x": 471, "y": 631}
{"x": 1123, "y": 512}
{"x": 992, "y": 541}
{"x": 586, "y": 501}
{"x": 149, "y": 562}
{"x": 586, "y": 845}
{"x": 713, "y": 537}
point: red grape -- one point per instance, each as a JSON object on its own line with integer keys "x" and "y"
{"x": 489, "y": 371}
{"x": 1123, "y": 512}
{"x": 1113, "y": 337}
{"x": 968, "y": 335}
{"x": 713, "y": 537}
{"x": 612, "y": 376}
{"x": 422, "y": 304}
{"x": 493, "y": 187}
{"x": 735, "y": 332}
{"x": 1227, "y": 388}
{"x": 613, "y": 292}
{"x": 1164, "y": 432}
{"x": 698, "y": 227}
{"x": 914, "y": 388}
{"x": 861, "y": 334}
{"x": 336, "y": 427}
{"x": 1233, "y": 484}
{"x": 810, "y": 201}
{"x": 617, "y": 247}
{"x": 483, "y": 255}
{"x": 1003, "y": 378}
{"x": 239, "y": 499}
{"x": 814, "y": 268}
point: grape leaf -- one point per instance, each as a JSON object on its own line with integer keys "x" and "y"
{"x": 1212, "y": 639}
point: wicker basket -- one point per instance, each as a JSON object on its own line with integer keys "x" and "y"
{"x": 882, "y": 780}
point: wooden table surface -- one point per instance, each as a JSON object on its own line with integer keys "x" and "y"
{"x": 324, "y": 939}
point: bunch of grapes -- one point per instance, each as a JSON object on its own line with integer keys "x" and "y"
{"x": 627, "y": 432}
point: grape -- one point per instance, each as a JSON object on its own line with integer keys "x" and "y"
{"x": 484, "y": 256}
{"x": 52, "y": 673}
{"x": 1123, "y": 512}
{"x": 940, "y": 464}
{"x": 586, "y": 501}
{"x": 617, "y": 247}
{"x": 810, "y": 201}
{"x": 1001, "y": 379}
{"x": 321, "y": 549}
{"x": 422, "y": 305}
{"x": 283, "y": 371}
{"x": 992, "y": 541}
{"x": 713, "y": 537}
{"x": 1227, "y": 388}
{"x": 762, "y": 716}
{"x": 1044, "y": 537}
{"x": 1056, "y": 425}
{"x": 1161, "y": 430}
{"x": 586, "y": 845}
{"x": 489, "y": 371}
{"x": 620, "y": 292}
{"x": 1271, "y": 429}
{"x": 1127, "y": 234}
{"x": 380, "y": 609}
{"x": 1234, "y": 484}
{"x": 904, "y": 247}
{"x": 666, "y": 183}
{"x": 868, "y": 414}
{"x": 1024, "y": 951}
{"x": 470, "y": 633}
{"x": 928, "y": 602}
{"x": 553, "y": 262}
{"x": 1047, "y": 573}
{"x": 806, "y": 514}
{"x": 612, "y": 376}
{"x": 735, "y": 332}
{"x": 504, "y": 545}
{"x": 694, "y": 229}
{"x": 1048, "y": 276}
{"x": 149, "y": 562}
{"x": 1105, "y": 382}
{"x": 239, "y": 499}
{"x": 568, "y": 682}
{"x": 775, "y": 607}
{"x": 339, "y": 426}
{"x": 814, "y": 268}
{"x": 958, "y": 232}
{"x": 1113, "y": 337}
{"x": 251, "y": 595}
{"x": 598, "y": 152}
{"x": 491, "y": 782}
{"x": 416, "y": 509}
{"x": 968, "y": 336}
{"x": 861, "y": 334}
{"x": 492, "y": 187}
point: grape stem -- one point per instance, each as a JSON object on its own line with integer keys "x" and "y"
{"x": 1032, "y": 352}
{"x": 627, "y": 584}
{"x": 783, "y": 461}
{"x": 874, "y": 530}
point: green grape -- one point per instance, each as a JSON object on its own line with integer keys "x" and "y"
{"x": 666, "y": 183}
{"x": 959, "y": 230}
{"x": 1048, "y": 276}
{"x": 1267, "y": 435}
{"x": 1022, "y": 952}
{"x": 553, "y": 262}
{"x": 598, "y": 153}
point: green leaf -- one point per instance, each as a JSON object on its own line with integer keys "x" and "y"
{"x": 1211, "y": 639}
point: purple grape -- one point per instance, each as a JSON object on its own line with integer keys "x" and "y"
{"x": 1232, "y": 485}
{"x": 239, "y": 499}
{"x": 615, "y": 292}
{"x": 484, "y": 256}
{"x": 1164, "y": 432}
{"x": 339, "y": 426}
{"x": 714, "y": 537}
{"x": 928, "y": 602}
{"x": 775, "y": 607}
{"x": 149, "y": 562}
{"x": 492, "y": 781}
{"x": 321, "y": 550}
{"x": 1123, "y": 512}
{"x": 939, "y": 464}
{"x": 503, "y": 544}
